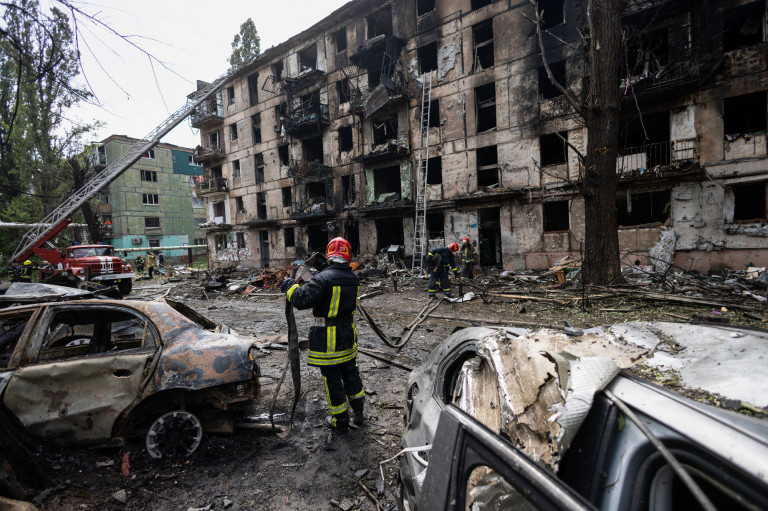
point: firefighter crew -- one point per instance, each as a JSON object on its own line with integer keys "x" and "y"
{"x": 441, "y": 261}
{"x": 468, "y": 258}
{"x": 15, "y": 272}
{"x": 150, "y": 263}
{"x": 139, "y": 263}
{"x": 25, "y": 274}
{"x": 332, "y": 294}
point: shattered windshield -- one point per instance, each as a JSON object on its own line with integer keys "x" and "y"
{"x": 92, "y": 251}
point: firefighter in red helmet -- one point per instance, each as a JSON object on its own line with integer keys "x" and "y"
{"x": 332, "y": 294}
{"x": 440, "y": 262}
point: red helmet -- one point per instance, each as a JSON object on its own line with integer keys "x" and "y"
{"x": 465, "y": 240}
{"x": 453, "y": 247}
{"x": 339, "y": 247}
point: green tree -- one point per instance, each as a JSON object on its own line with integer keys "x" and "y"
{"x": 245, "y": 45}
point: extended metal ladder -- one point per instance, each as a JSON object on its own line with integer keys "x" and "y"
{"x": 420, "y": 223}
{"x": 64, "y": 210}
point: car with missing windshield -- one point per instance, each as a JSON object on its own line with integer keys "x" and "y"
{"x": 501, "y": 418}
{"x": 96, "y": 372}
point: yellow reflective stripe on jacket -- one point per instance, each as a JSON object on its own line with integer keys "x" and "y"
{"x": 332, "y": 362}
{"x": 290, "y": 291}
{"x": 335, "y": 299}
{"x": 319, "y": 358}
{"x": 330, "y": 339}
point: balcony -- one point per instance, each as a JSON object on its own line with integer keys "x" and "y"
{"x": 308, "y": 77}
{"x": 212, "y": 186}
{"x": 395, "y": 149}
{"x": 671, "y": 73}
{"x": 316, "y": 207}
{"x": 309, "y": 170}
{"x": 209, "y": 153}
{"x": 99, "y": 157}
{"x": 307, "y": 119}
{"x": 658, "y": 159}
{"x": 208, "y": 113}
{"x": 369, "y": 55}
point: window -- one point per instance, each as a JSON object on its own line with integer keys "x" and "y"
{"x": 261, "y": 205}
{"x": 552, "y": 148}
{"x": 253, "y": 89}
{"x": 348, "y": 192}
{"x": 487, "y": 166}
{"x": 154, "y": 243}
{"x": 434, "y": 113}
{"x": 288, "y": 235}
{"x": 345, "y": 139}
{"x": 221, "y": 241}
{"x": 236, "y": 168}
{"x": 103, "y": 199}
{"x": 745, "y": 114}
{"x": 386, "y": 183}
{"x": 342, "y": 90}
{"x": 476, "y": 4}
{"x": 308, "y": 58}
{"x": 743, "y": 26}
{"x": 231, "y": 95}
{"x": 219, "y": 209}
{"x": 340, "y": 38}
{"x": 196, "y": 221}
{"x": 556, "y": 216}
{"x": 552, "y": 13}
{"x": 547, "y": 89}
{"x": 435, "y": 225}
{"x": 200, "y": 241}
{"x": 258, "y": 161}
{"x": 313, "y": 149}
{"x": 427, "y": 57}
{"x": 277, "y": 71}
{"x": 149, "y": 154}
{"x": 213, "y": 140}
{"x": 485, "y": 107}
{"x": 749, "y": 203}
{"x": 282, "y": 153}
{"x": 197, "y": 202}
{"x": 424, "y": 6}
{"x": 384, "y": 130}
{"x": 645, "y": 208}
{"x": 374, "y": 77}
{"x": 482, "y": 34}
{"x": 286, "y": 196}
{"x": 233, "y": 132}
{"x": 191, "y": 161}
{"x": 256, "y": 122}
{"x": 216, "y": 172}
{"x": 239, "y": 206}
{"x": 151, "y": 222}
{"x": 435, "y": 171}
{"x": 150, "y": 199}
{"x": 380, "y": 22}
{"x": 240, "y": 239}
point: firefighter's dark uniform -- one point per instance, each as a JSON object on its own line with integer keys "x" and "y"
{"x": 25, "y": 274}
{"x": 440, "y": 261}
{"x": 332, "y": 294}
{"x": 468, "y": 259}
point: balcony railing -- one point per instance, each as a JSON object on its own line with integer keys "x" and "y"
{"x": 207, "y": 113}
{"x": 214, "y": 185}
{"x": 319, "y": 206}
{"x": 656, "y": 157}
{"x": 308, "y": 169}
{"x": 208, "y": 153}
{"x": 308, "y": 117}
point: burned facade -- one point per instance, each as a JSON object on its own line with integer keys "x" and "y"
{"x": 325, "y": 135}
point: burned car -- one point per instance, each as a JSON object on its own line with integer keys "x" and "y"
{"x": 501, "y": 418}
{"x": 99, "y": 371}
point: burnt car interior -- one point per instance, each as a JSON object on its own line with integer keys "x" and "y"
{"x": 11, "y": 328}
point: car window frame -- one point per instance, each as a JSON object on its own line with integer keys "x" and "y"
{"x": 16, "y": 356}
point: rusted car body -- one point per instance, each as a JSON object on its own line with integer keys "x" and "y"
{"x": 97, "y": 371}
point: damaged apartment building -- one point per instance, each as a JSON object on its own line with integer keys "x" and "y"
{"x": 387, "y": 114}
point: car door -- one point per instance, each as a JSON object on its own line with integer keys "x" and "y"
{"x": 468, "y": 463}
{"x": 89, "y": 363}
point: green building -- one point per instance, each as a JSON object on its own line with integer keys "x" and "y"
{"x": 153, "y": 203}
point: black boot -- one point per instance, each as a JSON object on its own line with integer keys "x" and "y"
{"x": 358, "y": 418}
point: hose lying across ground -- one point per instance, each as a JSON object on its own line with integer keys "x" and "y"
{"x": 399, "y": 341}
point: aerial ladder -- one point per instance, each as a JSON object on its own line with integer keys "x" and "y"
{"x": 39, "y": 237}
{"x": 420, "y": 223}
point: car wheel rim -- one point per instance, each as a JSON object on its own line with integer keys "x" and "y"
{"x": 177, "y": 433}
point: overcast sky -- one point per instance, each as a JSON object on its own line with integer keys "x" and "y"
{"x": 193, "y": 37}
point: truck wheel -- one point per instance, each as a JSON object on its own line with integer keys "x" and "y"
{"x": 125, "y": 286}
{"x": 177, "y": 433}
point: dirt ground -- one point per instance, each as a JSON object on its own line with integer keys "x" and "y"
{"x": 311, "y": 468}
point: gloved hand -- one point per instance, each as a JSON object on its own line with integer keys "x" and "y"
{"x": 287, "y": 283}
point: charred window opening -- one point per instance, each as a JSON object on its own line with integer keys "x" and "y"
{"x": 236, "y": 168}
{"x": 289, "y": 237}
{"x": 315, "y": 191}
{"x": 317, "y": 238}
{"x": 286, "y": 196}
{"x": 435, "y": 225}
{"x": 386, "y": 183}
{"x": 230, "y": 95}
{"x": 239, "y": 205}
{"x": 345, "y": 139}
{"x": 213, "y": 140}
{"x": 233, "y": 132}
{"x": 219, "y": 209}
{"x": 277, "y": 71}
{"x": 374, "y": 77}
{"x": 384, "y": 130}
{"x": 434, "y": 113}
{"x": 477, "y": 4}
{"x": 261, "y": 205}
{"x": 240, "y": 240}
{"x": 482, "y": 35}
{"x": 340, "y": 39}
{"x": 256, "y": 122}
{"x": 489, "y": 236}
{"x": 487, "y": 166}
{"x": 552, "y": 13}
{"x": 253, "y": 89}
{"x": 749, "y": 204}
{"x": 424, "y": 6}
{"x": 389, "y": 231}
{"x": 308, "y": 58}
{"x": 547, "y": 89}
{"x": 648, "y": 54}
{"x": 644, "y": 208}
{"x": 216, "y": 172}
{"x": 283, "y": 155}
{"x": 555, "y": 216}
{"x": 552, "y": 149}
{"x": 435, "y": 171}
{"x": 745, "y": 114}
{"x": 348, "y": 192}
{"x": 258, "y": 161}
{"x": 485, "y": 107}
{"x": 313, "y": 149}
{"x": 380, "y": 22}
{"x": 342, "y": 90}
{"x": 427, "y": 57}
{"x": 743, "y": 26}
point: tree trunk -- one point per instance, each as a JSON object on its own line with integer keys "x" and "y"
{"x": 601, "y": 258}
